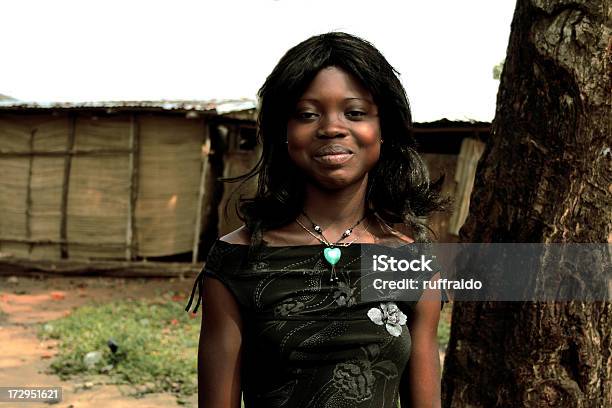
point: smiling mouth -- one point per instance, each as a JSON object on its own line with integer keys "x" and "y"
{"x": 333, "y": 158}
{"x": 333, "y": 154}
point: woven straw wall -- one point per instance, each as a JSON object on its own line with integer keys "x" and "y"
{"x": 170, "y": 164}
{"x": 23, "y": 134}
{"x": 99, "y": 189}
{"x": 167, "y": 185}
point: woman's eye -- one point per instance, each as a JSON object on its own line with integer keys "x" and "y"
{"x": 307, "y": 115}
{"x": 355, "y": 113}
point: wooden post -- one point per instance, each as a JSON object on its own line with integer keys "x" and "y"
{"x": 204, "y": 168}
{"x": 28, "y": 209}
{"x": 133, "y": 187}
{"x": 66, "y": 185}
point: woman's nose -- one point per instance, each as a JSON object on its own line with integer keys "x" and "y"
{"x": 332, "y": 125}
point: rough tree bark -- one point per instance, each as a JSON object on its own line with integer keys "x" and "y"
{"x": 545, "y": 177}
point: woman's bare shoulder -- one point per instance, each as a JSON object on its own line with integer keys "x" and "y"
{"x": 402, "y": 233}
{"x": 394, "y": 239}
{"x": 387, "y": 234}
{"x": 238, "y": 236}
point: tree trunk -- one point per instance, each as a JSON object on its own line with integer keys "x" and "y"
{"x": 545, "y": 176}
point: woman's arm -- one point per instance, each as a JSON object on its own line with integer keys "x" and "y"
{"x": 420, "y": 383}
{"x": 219, "y": 348}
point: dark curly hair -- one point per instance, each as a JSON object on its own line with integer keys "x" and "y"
{"x": 399, "y": 188}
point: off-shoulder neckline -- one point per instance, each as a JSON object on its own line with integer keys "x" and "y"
{"x": 314, "y": 246}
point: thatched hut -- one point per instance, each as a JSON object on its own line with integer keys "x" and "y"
{"x": 129, "y": 181}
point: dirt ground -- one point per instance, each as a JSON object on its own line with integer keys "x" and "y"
{"x": 24, "y": 359}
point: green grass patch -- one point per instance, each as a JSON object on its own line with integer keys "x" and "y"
{"x": 157, "y": 345}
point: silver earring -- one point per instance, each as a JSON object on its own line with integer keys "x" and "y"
{"x": 381, "y": 141}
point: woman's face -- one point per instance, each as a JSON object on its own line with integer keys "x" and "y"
{"x": 334, "y": 133}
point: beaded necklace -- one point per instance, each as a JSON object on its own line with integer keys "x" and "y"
{"x": 332, "y": 252}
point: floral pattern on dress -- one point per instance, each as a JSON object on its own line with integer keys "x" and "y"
{"x": 390, "y": 315}
{"x": 288, "y": 307}
{"x": 355, "y": 379}
{"x": 259, "y": 266}
{"x": 344, "y": 294}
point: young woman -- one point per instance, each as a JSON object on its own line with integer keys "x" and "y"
{"x": 283, "y": 321}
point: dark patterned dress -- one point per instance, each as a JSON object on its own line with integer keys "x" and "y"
{"x": 309, "y": 343}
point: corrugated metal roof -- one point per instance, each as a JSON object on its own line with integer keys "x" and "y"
{"x": 213, "y": 106}
{"x": 220, "y": 107}
{"x": 455, "y": 124}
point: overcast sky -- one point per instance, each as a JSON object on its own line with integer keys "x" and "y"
{"x": 82, "y": 50}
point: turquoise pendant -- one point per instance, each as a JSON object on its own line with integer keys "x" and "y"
{"x": 332, "y": 255}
